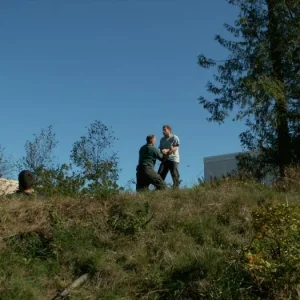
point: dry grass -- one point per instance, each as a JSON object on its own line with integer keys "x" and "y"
{"x": 183, "y": 244}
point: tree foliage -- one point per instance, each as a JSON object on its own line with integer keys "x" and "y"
{"x": 39, "y": 152}
{"x": 260, "y": 81}
{"x": 6, "y": 165}
{"x": 93, "y": 154}
{"x": 60, "y": 180}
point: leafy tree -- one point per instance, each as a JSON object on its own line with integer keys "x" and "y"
{"x": 60, "y": 180}
{"x": 259, "y": 81}
{"x": 39, "y": 152}
{"x": 94, "y": 156}
{"x": 6, "y": 165}
{"x": 39, "y": 157}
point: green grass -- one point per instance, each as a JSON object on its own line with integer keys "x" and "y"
{"x": 186, "y": 244}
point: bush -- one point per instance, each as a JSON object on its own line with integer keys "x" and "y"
{"x": 274, "y": 255}
{"x": 290, "y": 182}
{"x": 59, "y": 181}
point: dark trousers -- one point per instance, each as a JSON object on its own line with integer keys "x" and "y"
{"x": 146, "y": 176}
{"x": 171, "y": 166}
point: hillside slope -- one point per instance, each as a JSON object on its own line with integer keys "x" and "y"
{"x": 186, "y": 244}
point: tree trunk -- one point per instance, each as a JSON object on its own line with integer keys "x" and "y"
{"x": 283, "y": 136}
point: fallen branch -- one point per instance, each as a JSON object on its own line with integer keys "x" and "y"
{"x": 79, "y": 281}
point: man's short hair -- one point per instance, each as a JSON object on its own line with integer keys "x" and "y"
{"x": 149, "y": 138}
{"x": 167, "y": 127}
{"x": 26, "y": 180}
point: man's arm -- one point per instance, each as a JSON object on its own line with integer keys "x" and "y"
{"x": 162, "y": 150}
{"x": 159, "y": 155}
{"x": 175, "y": 145}
{"x": 173, "y": 149}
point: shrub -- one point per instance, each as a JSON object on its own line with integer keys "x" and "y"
{"x": 274, "y": 255}
{"x": 59, "y": 181}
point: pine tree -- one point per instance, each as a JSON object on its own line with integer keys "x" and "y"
{"x": 260, "y": 79}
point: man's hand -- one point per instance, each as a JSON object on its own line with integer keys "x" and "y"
{"x": 165, "y": 151}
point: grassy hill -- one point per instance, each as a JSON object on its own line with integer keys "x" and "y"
{"x": 200, "y": 243}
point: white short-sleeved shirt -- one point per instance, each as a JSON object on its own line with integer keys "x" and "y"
{"x": 167, "y": 143}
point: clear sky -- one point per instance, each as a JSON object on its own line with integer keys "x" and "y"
{"x": 130, "y": 64}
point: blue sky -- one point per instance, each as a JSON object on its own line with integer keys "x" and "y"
{"x": 130, "y": 64}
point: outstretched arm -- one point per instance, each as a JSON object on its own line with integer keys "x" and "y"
{"x": 159, "y": 156}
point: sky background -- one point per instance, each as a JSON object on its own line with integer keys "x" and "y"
{"x": 130, "y": 64}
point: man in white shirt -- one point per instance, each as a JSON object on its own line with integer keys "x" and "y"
{"x": 169, "y": 146}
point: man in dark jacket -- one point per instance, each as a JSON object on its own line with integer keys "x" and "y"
{"x": 146, "y": 174}
{"x": 26, "y": 183}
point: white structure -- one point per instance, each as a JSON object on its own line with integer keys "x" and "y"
{"x": 222, "y": 165}
{"x": 218, "y": 166}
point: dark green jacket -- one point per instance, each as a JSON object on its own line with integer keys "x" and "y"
{"x": 148, "y": 155}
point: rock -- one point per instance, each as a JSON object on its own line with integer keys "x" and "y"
{"x": 8, "y": 186}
